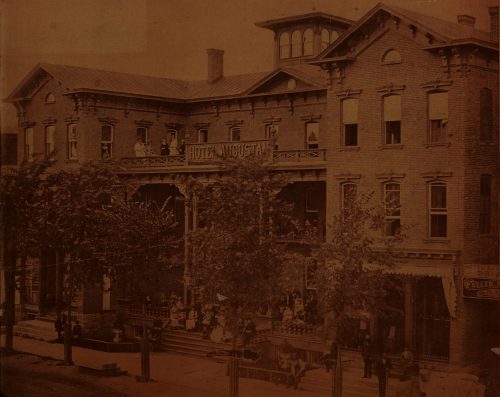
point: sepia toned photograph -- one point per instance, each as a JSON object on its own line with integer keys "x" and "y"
{"x": 249, "y": 198}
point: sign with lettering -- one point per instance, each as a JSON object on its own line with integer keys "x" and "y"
{"x": 221, "y": 150}
{"x": 481, "y": 282}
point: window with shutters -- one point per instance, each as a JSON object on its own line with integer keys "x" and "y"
{"x": 392, "y": 119}
{"x": 485, "y": 204}
{"x": 350, "y": 121}
{"x": 486, "y": 115}
{"x": 438, "y": 117}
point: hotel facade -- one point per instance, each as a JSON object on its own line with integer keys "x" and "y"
{"x": 397, "y": 103}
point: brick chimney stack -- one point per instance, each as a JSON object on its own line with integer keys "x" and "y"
{"x": 494, "y": 23}
{"x": 215, "y": 64}
{"x": 466, "y": 20}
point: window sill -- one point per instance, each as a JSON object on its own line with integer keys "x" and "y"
{"x": 350, "y": 149}
{"x": 437, "y": 144}
{"x": 442, "y": 240}
{"x": 395, "y": 146}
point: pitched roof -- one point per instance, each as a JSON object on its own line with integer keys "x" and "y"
{"x": 76, "y": 79}
{"x": 274, "y": 24}
{"x": 447, "y": 31}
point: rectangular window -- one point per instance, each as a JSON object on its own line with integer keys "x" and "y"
{"x": 438, "y": 117}
{"x": 106, "y": 141}
{"x": 312, "y": 205}
{"x": 349, "y": 191}
{"x": 392, "y": 204}
{"x": 202, "y": 135}
{"x": 486, "y": 115}
{"x": 312, "y": 135}
{"x": 350, "y": 121}
{"x": 392, "y": 119}
{"x": 72, "y": 142}
{"x": 50, "y": 132}
{"x": 485, "y": 204}
{"x": 28, "y": 144}
{"x": 142, "y": 135}
{"x": 235, "y": 134}
{"x": 438, "y": 212}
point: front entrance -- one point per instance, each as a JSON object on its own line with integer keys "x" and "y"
{"x": 390, "y": 324}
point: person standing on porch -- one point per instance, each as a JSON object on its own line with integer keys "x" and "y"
{"x": 367, "y": 354}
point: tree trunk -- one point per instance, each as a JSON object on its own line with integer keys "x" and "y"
{"x": 9, "y": 313}
{"x": 68, "y": 331}
{"x": 145, "y": 372}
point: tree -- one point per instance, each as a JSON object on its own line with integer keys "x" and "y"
{"x": 235, "y": 256}
{"x": 352, "y": 267}
{"x": 21, "y": 205}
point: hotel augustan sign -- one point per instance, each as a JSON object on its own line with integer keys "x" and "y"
{"x": 212, "y": 151}
{"x": 481, "y": 282}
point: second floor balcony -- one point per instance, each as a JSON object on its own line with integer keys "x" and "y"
{"x": 213, "y": 153}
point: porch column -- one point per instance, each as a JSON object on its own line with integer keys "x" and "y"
{"x": 187, "y": 248}
{"x": 409, "y": 296}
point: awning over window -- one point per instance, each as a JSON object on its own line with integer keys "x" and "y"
{"x": 443, "y": 271}
{"x": 392, "y": 108}
{"x": 350, "y": 111}
{"x": 438, "y": 106}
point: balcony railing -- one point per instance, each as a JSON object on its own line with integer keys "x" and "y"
{"x": 210, "y": 153}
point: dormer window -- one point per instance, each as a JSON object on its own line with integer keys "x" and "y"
{"x": 325, "y": 38}
{"x": 50, "y": 98}
{"x": 391, "y": 56}
{"x": 285, "y": 45}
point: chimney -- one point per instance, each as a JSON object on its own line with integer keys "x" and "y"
{"x": 215, "y": 64}
{"x": 467, "y": 20}
{"x": 494, "y": 23}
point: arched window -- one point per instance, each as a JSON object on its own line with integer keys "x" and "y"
{"x": 333, "y": 36}
{"x": 72, "y": 142}
{"x": 392, "y": 119}
{"x": 106, "y": 141}
{"x": 392, "y": 204}
{"x": 50, "y": 98}
{"x": 485, "y": 115}
{"x": 50, "y": 135}
{"x": 284, "y": 45}
{"x": 350, "y": 121}
{"x": 296, "y": 44}
{"x": 438, "y": 210}
{"x": 234, "y": 134}
{"x": 391, "y": 56}
{"x": 308, "y": 42}
{"x": 325, "y": 38}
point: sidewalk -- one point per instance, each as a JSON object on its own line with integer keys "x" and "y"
{"x": 187, "y": 375}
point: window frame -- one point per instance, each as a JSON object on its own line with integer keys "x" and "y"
{"x": 324, "y": 44}
{"x": 107, "y": 143}
{"x": 385, "y": 61}
{"x": 388, "y": 139}
{"x": 298, "y": 46}
{"x": 50, "y": 98}
{"x": 485, "y": 115}
{"x": 200, "y": 133}
{"x": 350, "y": 125}
{"x": 146, "y": 133}
{"x": 287, "y": 45}
{"x": 344, "y": 192}
{"x": 49, "y": 145}
{"x": 434, "y": 212}
{"x": 29, "y": 142}
{"x": 485, "y": 200}
{"x": 70, "y": 139}
{"x": 308, "y": 42}
{"x": 312, "y": 144}
{"x": 440, "y": 123}
{"x": 232, "y": 130}
{"x": 392, "y": 213}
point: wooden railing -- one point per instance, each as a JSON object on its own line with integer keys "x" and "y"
{"x": 151, "y": 312}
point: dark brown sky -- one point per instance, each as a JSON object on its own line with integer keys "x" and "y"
{"x": 166, "y": 37}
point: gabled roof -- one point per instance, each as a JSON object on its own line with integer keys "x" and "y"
{"x": 79, "y": 79}
{"x": 444, "y": 31}
{"x": 275, "y": 24}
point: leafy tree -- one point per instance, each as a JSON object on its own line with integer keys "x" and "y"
{"x": 21, "y": 206}
{"x": 234, "y": 254}
{"x": 352, "y": 266}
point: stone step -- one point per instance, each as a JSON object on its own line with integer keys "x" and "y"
{"x": 36, "y": 329}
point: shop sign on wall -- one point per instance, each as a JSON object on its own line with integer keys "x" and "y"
{"x": 481, "y": 281}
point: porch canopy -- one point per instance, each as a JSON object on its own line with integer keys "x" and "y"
{"x": 443, "y": 271}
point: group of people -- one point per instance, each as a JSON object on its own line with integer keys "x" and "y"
{"x": 60, "y": 325}
{"x": 293, "y": 308}
{"x": 173, "y": 148}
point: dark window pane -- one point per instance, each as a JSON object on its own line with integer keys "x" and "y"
{"x": 392, "y": 226}
{"x": 351, "y": 134}
{"x": 438, "y": 225}
{"x": 392, "y": 132}
{"x": 438, "y": 196}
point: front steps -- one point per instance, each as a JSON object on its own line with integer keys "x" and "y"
{"x": 41, "y": 329}
{"x": 190, "y": 343}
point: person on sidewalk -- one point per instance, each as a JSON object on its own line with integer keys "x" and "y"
{"x": 297, "y": 369}
{"x": 77, "y": 333}
{"x": 382, "y": 368}
{"x": 59, "y": 325}
{"x": 367, "y": 354}
{"x": 407, "y": 362}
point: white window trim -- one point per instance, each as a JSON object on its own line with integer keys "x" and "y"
{"x": 437, "y": 211}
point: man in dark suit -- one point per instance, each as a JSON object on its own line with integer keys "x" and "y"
{"x": 382, "y": 368}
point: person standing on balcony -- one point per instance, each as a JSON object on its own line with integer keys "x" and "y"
{"x": 182, "y": 147}
{"x": 164, "y": 148}
{"x": 173, "y": 147}
{"x": 140, "y": 148}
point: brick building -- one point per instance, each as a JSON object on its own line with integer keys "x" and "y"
{"x": 397, "y": 103}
